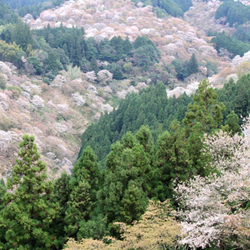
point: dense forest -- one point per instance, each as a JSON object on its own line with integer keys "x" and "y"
{"x": 152, "y": 108}
{"x": 52, "y": 49}
{"x": 7, "y": 15}
{"x": 236, "y": 15}
{"x": 33, "y": 7}
{"x": 174, "y": 8}
{"x": 231, "y": 44}
{"x": 155, "y": 173}
{"x": 140, "y": 166}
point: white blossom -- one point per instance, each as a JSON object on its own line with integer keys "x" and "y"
{"x": 211, "y": 207}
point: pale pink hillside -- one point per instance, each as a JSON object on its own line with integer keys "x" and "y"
{"x": 202, "y": 16}
{"x": 56, "y": 114}
{"x": 106, "y": 18}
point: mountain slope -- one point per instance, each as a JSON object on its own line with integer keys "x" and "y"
{"x": 59, "y": 113}
{"x": 104, "y": 19}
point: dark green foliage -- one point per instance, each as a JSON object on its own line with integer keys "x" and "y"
{"x": 17, "y": 3}
{"x": 112, "y": 51}
{"x": 71, "y": 41}
{"x": 115, "y": 70}
{"x": 84, "y": 186}
{"x": 141, "y": 41}
{"x": 95, "y": 228}
{"x": 234, "y": 46}
{"x": 151, "y": 107}
{"x": 7, "y": 15}
{"x": 234, "y": 11}
{"x": 2, "y": 193}
{"x": 36, "y": 64}
{"x": 53, "y": 64}
{"x": 184, "y": 4}
{"x": 127, "y": 47}
{"x": 76, "y": 195}
{"x": 85, "y": 53}
{"x": 146, "y": 53}
{"x": 236, "y": 96}
{"x": 62, "y": 191}
{"x": 50, "y": 50}
{"x": 193, "y": 65}
{"x": 242, "y": 33}
{"x": 3, "y": 190}
{"x": 33, "y": 7}
{"x": 127, "y": 181}
{"x": 134, "y": 203}
{"x": 144, "y": 57}
{"x": 86, "y": 168}
{"x": 180, "y": 70}
{"x": 145, "y": 138}
{"x": 28, "y": 213}
{"x": 19, "y": 33}
{"x": 171, "y": 7}
{"x": 205, "y": 110}
{"x": 187, "y": 68}
{"x": 106, "y": 51}
{"x": 22, "y": 35}
{"x": 211, "y": 68}
{"x": 172, "y": 160}
{"x": 94, "y": 65}
{"x": 78, "y": 207}
{"x": 232, "y": 124}
{"x": 205, "y": 115}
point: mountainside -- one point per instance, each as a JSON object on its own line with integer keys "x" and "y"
{"x": 175, "y": 38}
{"x": 57, "y": 114}
{"x": 125, "y": 124}
{"x": 100, "y": 19}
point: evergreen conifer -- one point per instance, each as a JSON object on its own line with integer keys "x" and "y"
{"x": 28, "y": 213}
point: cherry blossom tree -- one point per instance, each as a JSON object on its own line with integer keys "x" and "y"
{"x": 213, "y": 209}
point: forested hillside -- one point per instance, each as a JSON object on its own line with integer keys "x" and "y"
{"x": 33, "y": 7}
{"x": 52, "y": 49}
{"x": 7, "y": 14}
{"x": 113, "y": 134}
{"x": 236, "y": 14}
{"x": 168, "y": 7}
{"x": 63, "y": 79}
{"x": 151, "y": 108}
{"x": 90, "y": 202}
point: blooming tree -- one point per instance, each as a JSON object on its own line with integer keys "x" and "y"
{"x": 157, "y": 229}
{"x": 213, "y": 209}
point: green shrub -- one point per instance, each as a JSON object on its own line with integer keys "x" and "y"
{"x": 13, "y": 88}
{"x": 3, "y": 81}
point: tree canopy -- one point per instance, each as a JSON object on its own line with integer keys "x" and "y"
{"x": 28, "y": 214}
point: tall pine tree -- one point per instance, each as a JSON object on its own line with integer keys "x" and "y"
{"x": 28, "y": 213}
